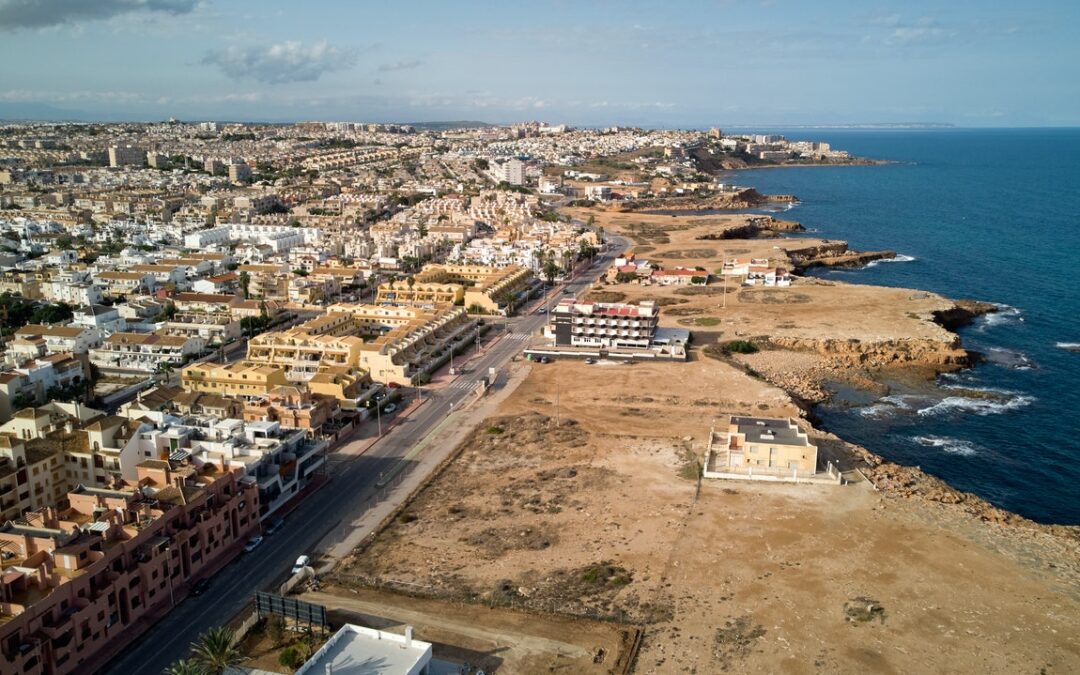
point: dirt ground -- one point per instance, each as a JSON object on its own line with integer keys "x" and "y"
{"x": 601, "y": 517}
{"x": 261, "y": 653}
{"x": 809, "y": 309}
{"x": 492, "y": 639}
{"x": 811, "y": 332}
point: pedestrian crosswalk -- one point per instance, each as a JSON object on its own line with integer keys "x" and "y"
{"x": 462, "y": 384}
{"x": 520, "y": 337}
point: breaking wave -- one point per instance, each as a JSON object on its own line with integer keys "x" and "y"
{"x": 900, "y": 257}
{"x": 1009, "y": 358}
{"x": 887, "y": 405}
{"x": 976, "y": 406}
{"x": 953, "y": 446}
{"x": 1006, "y": 315}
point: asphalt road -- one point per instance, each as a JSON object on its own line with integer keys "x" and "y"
{"x": 317, "y": 523}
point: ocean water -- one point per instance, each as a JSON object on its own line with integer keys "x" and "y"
{"x": 992, "y": 215}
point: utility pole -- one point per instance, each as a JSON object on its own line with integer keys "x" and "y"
{"x": 378, "y": 416}
{"x": 723, "y": 280}
{"x": 558, "y": 390}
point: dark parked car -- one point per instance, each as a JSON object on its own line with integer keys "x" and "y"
{"x": 275, "y": 525}
{"x": 200, "y": 586}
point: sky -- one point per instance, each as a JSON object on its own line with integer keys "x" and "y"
{"x": 671, "y": 63}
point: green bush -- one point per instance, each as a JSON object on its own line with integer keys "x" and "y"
{"x": 290, "y": 658}
{"x": 741, "y": 347}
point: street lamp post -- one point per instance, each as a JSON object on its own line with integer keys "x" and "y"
{"x": 168, "y": 571}
{"x": 378, "y": 416}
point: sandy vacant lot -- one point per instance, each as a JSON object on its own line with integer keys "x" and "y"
{"x": 601, "y": 517}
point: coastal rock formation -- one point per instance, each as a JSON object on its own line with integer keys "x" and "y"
{"x": 963, "y": 313}
{"x": 947, "y": 352}
{"x": 834, "y": 254}
{"x": 1061, "y": 543}
{"x": 743, "y": 199}
{"x": 754, "y": 227}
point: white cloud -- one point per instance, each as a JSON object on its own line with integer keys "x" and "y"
{"x": 16, "y": 14}
{"x": 281, "y": 63}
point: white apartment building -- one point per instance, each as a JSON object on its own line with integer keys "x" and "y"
{"x": 125, "y": 283}
{"x": 105, "y": 319}
{"x": 511, "y": 171}
{"x": 71, "y": 293}
{"x": 280, "y": 238}
{"x": 75, "y": 339}
{"x": 34, "y": 378}
{"x": 210, "y": 237}
{"x": 145, "y": 352}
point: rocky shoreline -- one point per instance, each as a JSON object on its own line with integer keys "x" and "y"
{"x": 932, "y": 359}
{"x": 860, "y": 364}
{"x": 911, "y": 482}
{"x": 746, "y": 198}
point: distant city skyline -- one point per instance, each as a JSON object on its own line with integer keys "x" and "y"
{"x": 679, "y": 64}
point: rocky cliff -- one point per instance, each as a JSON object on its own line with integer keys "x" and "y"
{"x": 834, "y": 254}
{"x": 945, "y": 353}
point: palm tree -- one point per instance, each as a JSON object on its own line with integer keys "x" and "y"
{"x": 185, "y": 667}
{"x": 508, "y": 298}
{"x": 245, "y": 282}
{"x": 215, "y": 651}
{"x": 551, "y": 270}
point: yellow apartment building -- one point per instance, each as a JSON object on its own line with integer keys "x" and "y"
{"x": 241, "y": 380}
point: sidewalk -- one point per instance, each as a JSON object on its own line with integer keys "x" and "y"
{"x": 442, "y": 378}
{"x": 354, "y": 447}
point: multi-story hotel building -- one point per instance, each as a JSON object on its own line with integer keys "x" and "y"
{"x": 604, "y": 325}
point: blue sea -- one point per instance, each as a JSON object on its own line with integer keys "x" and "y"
{"x": 992, "y": 215}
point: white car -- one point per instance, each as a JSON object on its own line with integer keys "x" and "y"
{"x": 253, "y": 544}
{"x": 301, "y": 562}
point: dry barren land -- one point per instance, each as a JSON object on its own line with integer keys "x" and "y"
{"x": 601, "y": 516}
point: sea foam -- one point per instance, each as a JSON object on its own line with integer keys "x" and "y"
{"x": 953, "y": 446}
{"x": 900, "y": 257}
{"x": 1004, "y": 316}
{"x": 975, "y": 406}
